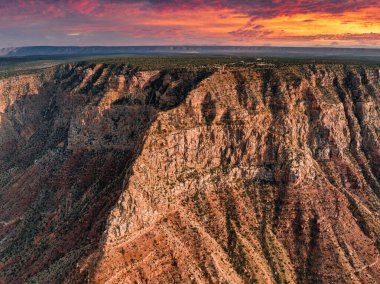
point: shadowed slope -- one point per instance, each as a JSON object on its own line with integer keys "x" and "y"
{"x": 67, "y": 143}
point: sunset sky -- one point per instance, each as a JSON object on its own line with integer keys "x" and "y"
{"x": 195, "y": 22}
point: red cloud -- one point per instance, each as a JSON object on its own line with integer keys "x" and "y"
{"x": 86, "y": 7}
{"x": 190, "y": 22}
{"x": 260, "y": 8}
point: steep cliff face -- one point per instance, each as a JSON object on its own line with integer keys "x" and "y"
{"x": 67, "y": 137}
{"x": 111, "y": 175}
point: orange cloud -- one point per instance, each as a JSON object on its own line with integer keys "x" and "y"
{"x": 224, "y": 22}
{"x": 353, "y": 27}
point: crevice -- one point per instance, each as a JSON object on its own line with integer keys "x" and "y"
{"x": 354, "y": 144}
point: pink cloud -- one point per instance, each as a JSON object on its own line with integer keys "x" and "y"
{"x": 192, "y": 21}
{"x": 86, "y": 7}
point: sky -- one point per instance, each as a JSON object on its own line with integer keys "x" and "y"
{"x": 345, "y": 23}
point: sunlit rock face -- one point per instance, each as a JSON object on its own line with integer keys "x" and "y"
{"x": 112, "y": 175}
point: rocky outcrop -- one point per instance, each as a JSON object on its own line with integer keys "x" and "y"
{"x": 180, "y": 176}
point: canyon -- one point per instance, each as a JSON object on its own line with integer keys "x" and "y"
{"x": 110, "y": 174}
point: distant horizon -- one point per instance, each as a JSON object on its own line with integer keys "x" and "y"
{"x": 187, "y": 50}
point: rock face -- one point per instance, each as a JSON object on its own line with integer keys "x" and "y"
{"x": 111, "y": 175}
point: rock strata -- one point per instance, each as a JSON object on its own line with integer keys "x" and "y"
{"x": 112, "y": 175}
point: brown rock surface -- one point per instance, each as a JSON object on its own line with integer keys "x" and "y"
{"x": 110, "y": 175}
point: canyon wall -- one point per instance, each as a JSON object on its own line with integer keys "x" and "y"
{"x": 113, "y": 175}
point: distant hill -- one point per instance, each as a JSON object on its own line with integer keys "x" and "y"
{"x": 7, "y": 51}
{"x": 251, "y": 50}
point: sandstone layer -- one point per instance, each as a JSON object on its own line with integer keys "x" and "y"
{"x": 112, "y": 175}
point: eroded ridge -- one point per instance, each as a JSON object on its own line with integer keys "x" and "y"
{"x": 68, "y": 137}
{"x": 111, "y": 175}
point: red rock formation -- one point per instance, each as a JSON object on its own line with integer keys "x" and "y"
{"x": 110, "y": 175}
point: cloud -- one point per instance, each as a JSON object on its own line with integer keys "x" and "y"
{"x": 251, "y": 32}
{"x": 190, "y": 22}
{"x": 266, "y": 8}
{"x": 73, "y": 34}
{"x": 256, "y": 9}
{"x": 340, "y": 37}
